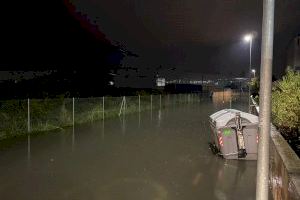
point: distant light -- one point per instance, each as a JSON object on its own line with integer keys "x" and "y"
{"x": 248, "y": 38}
{"x": 111, "y": 83}
{"x": 160, "y": 82}
{"x": 253, "y": 70}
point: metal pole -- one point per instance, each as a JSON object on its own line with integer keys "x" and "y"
{"x": 73, "y": 111}
{"x": 125, "y": 105}
{"x": 139, "y": 103}
{"x": 262, "y": 178}
{"x": 250, "y": 63}
{"x": 121, "y": 108}
{"x": 28, "y": 115}
{"x": 103, "y": 108}
{"x": 151, "y": 106}
{"x": 151, "y": 102}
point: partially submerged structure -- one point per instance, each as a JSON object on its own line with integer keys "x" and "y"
{"x": 234, "y": 134}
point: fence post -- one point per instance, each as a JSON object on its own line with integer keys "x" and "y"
{"x": 151, "y": 102}
{"x": 139, "y": 103}
{"x": 122, "y": 104}
{"x": 28, "y": 115}
{"x": 125, "y": 105}
{"x": 151, "y": 105}
{"x": 103, "y": 111}
{"x": 73, "y": 111}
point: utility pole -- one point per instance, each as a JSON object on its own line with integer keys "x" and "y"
{"x": 262, "y": 188}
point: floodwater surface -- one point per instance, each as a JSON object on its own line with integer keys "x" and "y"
{"x": 158, "y": 155}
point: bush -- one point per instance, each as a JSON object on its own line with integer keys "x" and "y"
{"x": 286, "y": 101}
{"x": 254, "y": 85}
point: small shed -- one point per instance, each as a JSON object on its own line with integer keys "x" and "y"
{"x": 234, "y": 134}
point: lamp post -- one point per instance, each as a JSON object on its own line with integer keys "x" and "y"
{"x": 249, "y": 38}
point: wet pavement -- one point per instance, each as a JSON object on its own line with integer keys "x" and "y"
{"x": 158, "y": 155}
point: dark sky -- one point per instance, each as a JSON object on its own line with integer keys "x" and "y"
{"x": 195, "y": 36}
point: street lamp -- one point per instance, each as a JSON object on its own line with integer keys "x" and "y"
{"x": 253, "y": 71}
{"x": 249, "y": 38}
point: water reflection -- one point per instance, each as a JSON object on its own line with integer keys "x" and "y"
{"x": 145, "y": 164}
{"x": 103, "y": 129}
{"x": 159, "y": 118}
{"x": 28, "y": 151}
{"x": 139, "y": 120}
{"x": 73, "y": 138}
{"x": 233, "y": 178}
{"x": 123, "y": 123}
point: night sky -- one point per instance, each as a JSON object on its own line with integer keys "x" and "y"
{"x": 193, "y": 36}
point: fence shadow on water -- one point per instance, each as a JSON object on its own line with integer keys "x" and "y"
{"x": 18, "y": 117}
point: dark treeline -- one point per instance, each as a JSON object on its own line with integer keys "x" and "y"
{"x": 81, "y": 84}
{"x": 54, "y": 35}
{"x": 67, "y": 84}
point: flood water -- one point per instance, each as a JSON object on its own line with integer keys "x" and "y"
{"x": 158, "y": 155}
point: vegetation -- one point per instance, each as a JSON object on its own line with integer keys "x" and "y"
{"x": 286, "y": 108}
{"x": 50, "y": 114}
{"x": 286, "y": 101}
{"x": 254, "y": 86}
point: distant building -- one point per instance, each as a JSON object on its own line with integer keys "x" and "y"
{"x": 160, "y": 82}
{"x": 293, "y": 54}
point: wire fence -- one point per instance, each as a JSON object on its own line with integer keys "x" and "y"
{"x": 36, "y": 115}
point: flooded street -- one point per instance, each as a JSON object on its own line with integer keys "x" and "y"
{"x": 158, "y": 155}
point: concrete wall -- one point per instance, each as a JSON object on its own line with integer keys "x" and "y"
{"x": 284, "y": 174}
{"x": 284, "y": 169}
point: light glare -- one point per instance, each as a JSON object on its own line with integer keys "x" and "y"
{"x": 247, "y": 38}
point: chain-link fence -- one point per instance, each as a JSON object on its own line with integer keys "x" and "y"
{"x": 34, "y": 115}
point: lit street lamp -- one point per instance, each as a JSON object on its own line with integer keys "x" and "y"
{"x": 253, "y": 71}
{"x": 249, "y": 38}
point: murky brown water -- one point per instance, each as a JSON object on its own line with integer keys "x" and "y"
{"x": 158, "y": 156}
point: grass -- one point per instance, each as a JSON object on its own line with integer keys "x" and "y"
{"x": 52, "y": 114}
